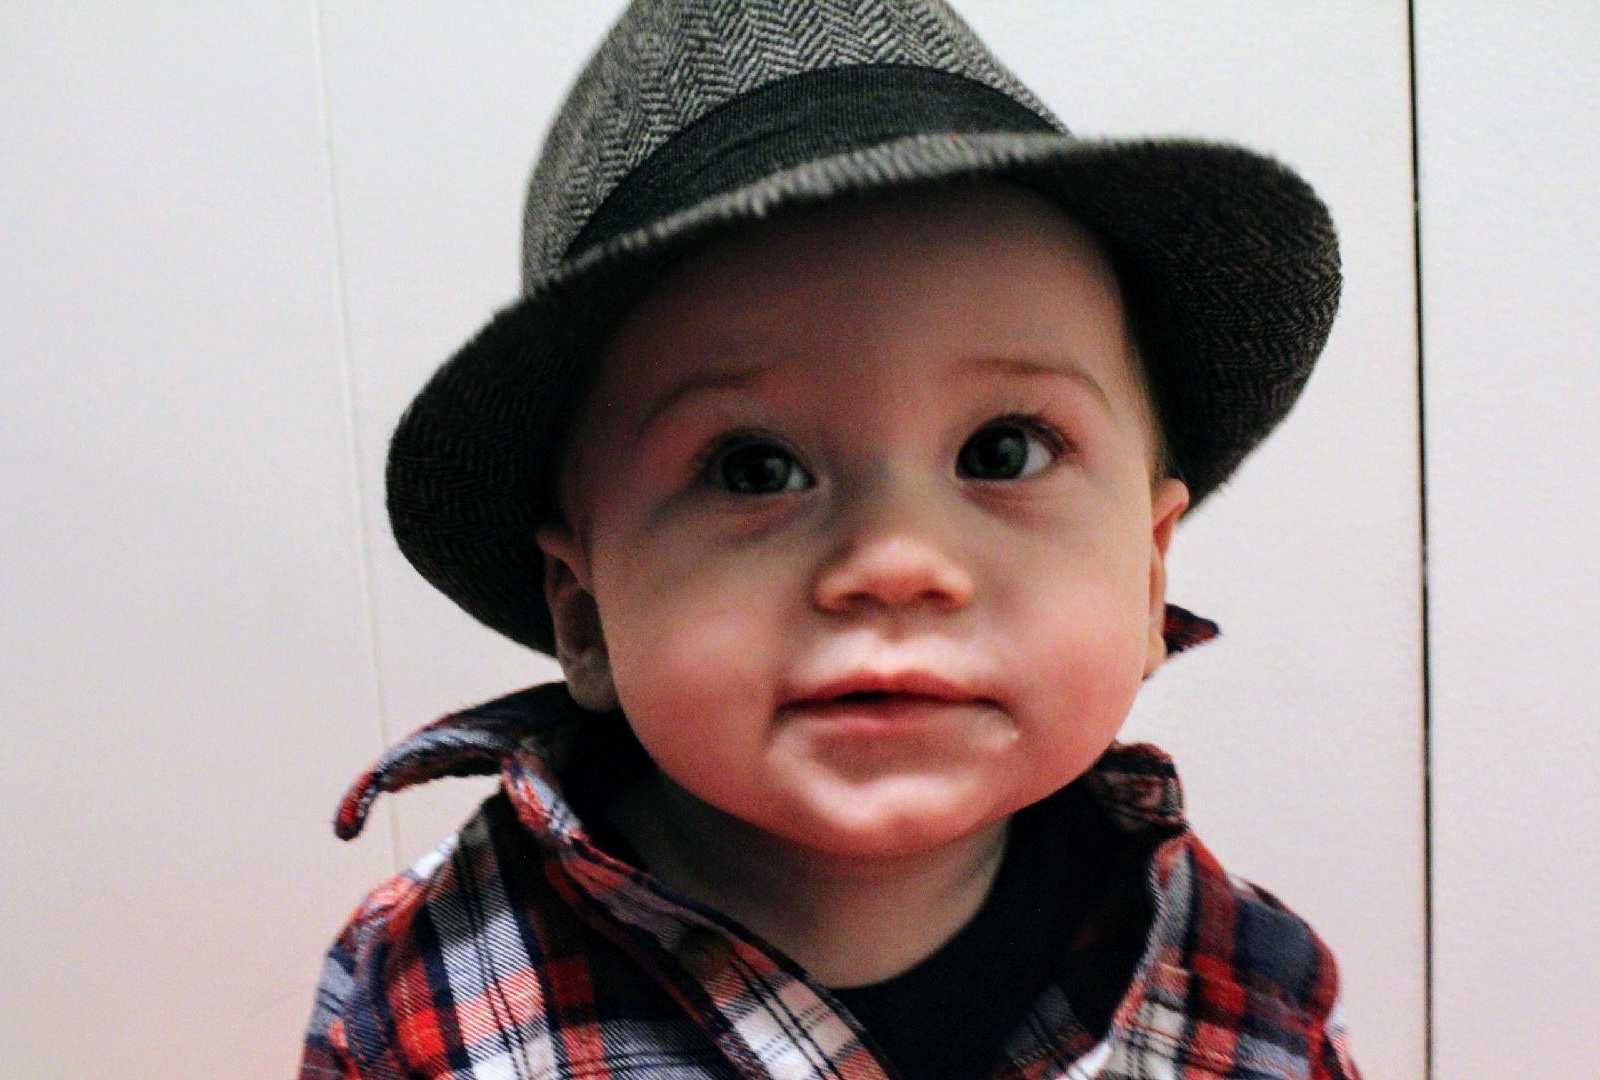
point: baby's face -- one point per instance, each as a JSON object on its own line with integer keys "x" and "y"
{"x": 895, "y": 441}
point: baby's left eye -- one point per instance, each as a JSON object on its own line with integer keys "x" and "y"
{"x": 1011, "y": 448}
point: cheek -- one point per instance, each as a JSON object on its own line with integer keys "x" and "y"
{"x": 1081, "y": 625}
{"x": 1075, "y": 577}
{"x": 694, "y": 669}
{"x": 681, "y": 638}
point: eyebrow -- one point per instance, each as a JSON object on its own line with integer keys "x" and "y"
{"x": 1018, "y": 366}
{"x": 737, "y": 378}
{"x": 715, "y": 379}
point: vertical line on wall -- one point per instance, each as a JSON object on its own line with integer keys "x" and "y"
{"x": 1422, "y": 497}
{"x": 352, "y": 420}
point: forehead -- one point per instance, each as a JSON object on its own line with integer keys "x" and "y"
{"x": 858, "y": 303}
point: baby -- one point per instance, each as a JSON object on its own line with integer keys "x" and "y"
{"x": 845, "y": 422}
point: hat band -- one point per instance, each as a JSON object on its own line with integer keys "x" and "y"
{"x": 794, "y": 120}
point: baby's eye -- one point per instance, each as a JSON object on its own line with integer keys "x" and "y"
{"x": 1011, "y": 448}
{"x": 755, "y": 468}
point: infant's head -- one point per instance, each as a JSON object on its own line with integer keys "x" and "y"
{"x": 865, "y": 518}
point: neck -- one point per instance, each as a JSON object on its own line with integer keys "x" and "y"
{"x": 844, "y": 919}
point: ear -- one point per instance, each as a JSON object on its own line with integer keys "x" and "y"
{"x": 1168, "y": 500}
{"x": 580, "y": 640}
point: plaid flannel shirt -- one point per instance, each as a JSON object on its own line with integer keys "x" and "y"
{"x": 520, "y": 948}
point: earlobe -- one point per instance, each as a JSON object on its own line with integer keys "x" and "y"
{"x": 1168, "y": 500}
{"x": 580, "y": 637}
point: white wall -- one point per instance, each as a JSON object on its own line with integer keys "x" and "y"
{"x": 239, "y": 239}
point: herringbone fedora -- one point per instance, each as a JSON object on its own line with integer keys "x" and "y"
{"x": 695, "y": 115}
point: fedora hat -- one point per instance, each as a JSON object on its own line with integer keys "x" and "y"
{"x": 694, "y": 116}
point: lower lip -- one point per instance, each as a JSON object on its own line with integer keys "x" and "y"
{"x": 886, "y": 716}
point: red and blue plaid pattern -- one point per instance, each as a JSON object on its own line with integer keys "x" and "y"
{"x": 520, "y": 948}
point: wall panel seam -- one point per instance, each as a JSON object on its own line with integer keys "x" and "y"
{"x": 1422, "y": 497}
{"x": 352, "y": 419}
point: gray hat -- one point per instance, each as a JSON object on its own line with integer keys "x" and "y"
{"x": 696, "y": 115}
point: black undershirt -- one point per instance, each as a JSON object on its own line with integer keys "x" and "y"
{"x": 949, "y": 1017}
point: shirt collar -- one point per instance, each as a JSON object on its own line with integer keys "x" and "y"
{"x": 556, "y": 758}
{"x": 1183, "y": 629}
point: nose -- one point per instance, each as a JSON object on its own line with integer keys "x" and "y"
{"x": 897, "y": 548}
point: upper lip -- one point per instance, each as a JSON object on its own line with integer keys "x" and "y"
{"x": 919, "y": 683}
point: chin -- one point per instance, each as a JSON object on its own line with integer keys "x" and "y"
{"x": 890, "y": 832}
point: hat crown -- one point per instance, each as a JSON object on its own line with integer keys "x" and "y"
{"x": 666, "y": 63}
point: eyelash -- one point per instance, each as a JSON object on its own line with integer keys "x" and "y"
{"x": 1033, "y": 421}
{"x": 701, "y": 467}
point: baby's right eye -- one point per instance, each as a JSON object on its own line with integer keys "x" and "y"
{"x": 754, "y": 468}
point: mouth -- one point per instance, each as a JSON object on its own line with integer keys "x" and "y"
{"x": 887, "y": 688}
{"x": 868, "y": 696}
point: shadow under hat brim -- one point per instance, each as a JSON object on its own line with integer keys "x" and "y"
{"x": 1233, "y": 257}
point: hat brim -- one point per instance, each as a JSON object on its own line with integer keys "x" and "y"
{"x": 1234, "y": 256}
